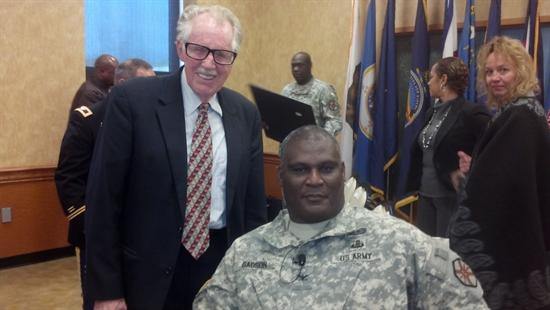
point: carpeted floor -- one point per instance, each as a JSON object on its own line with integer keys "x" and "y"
{"x": 50, "y": 285}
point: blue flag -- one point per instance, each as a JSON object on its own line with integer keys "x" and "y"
{"x": 363, "y": 142}
{"x": 533, "y": 44}
{"x": 417, "y": 102}
{"x": 493, "y": 23}
{"x": 384, "y": 144}
{"x": 467, "y": 48}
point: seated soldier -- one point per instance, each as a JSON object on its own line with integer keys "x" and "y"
{"x": 318, "y": 255}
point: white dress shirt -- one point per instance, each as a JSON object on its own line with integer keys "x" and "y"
{"x": 191, "y": 103}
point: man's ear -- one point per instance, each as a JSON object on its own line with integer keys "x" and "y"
{"x": 180, "y": 49}
{"x": 280, "y": 176}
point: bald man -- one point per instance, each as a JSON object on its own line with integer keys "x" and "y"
{"x": 320, "y": 95}
{"x": 96, "y": 88}
{"x": 318, "y": 254}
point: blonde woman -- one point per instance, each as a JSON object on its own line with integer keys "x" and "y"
{"x": 502, "y": 225}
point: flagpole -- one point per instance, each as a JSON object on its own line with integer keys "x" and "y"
{"x": 387, "y": 193}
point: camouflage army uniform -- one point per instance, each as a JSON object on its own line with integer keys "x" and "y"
{"x": 323, "y": 100}
{"x": 361, "y": 260}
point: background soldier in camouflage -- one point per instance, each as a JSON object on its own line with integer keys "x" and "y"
{"x": 318, "y": 255}
{"x": 320, "y": 95}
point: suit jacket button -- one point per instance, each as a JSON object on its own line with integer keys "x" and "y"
{"x": 180, "y": 229}
{"x": 167, "y": 271}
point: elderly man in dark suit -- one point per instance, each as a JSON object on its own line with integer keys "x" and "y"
{"x": 177, "y": 174}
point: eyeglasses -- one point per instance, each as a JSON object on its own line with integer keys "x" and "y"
{"x": 199, "y": 52}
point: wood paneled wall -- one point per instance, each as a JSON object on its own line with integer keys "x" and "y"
{"x": 38, "y": 222}
{"x": 271, "y": 179}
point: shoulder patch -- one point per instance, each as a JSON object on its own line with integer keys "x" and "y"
{"x": 84, "y": 110}
{"x": 463, "y": 273}
{"x": 333, "y": 106}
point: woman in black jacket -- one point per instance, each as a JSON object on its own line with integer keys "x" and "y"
{"x": 453, "y": 124}
{"x": 502, "y": 225}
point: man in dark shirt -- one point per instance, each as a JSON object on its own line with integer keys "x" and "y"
{"x": 97, "y": 87}
{"x": 75, "y": 156}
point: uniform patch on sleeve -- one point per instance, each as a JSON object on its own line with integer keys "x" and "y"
{"x": 333, "y": 106}
{"x": 84, "y": 110}
{"x": 463, "y": 273}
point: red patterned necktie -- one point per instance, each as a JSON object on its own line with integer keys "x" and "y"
{"x": 199, "y": 182}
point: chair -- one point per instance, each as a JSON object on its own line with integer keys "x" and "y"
{"x": 407, "y": 215}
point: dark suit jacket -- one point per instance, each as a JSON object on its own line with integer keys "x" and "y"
{"x": 136, "y": 193}
{"x": 460, "y": 131}
{"x": 74, "y": 163}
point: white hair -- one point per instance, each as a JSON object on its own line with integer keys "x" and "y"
{"x": 219, "y": 13}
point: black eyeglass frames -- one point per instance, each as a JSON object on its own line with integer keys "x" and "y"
{"x": 199, "y": 52}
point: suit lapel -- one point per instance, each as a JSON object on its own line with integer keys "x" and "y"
{"x": 450, "y": 120}
{"x": 233, "y": 141}
{"x": 171, "y": 118}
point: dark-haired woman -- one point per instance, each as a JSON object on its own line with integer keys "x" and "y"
{"x": 453, "y": 124}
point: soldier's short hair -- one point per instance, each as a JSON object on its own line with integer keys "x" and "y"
{"x": 308, "y": 132}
